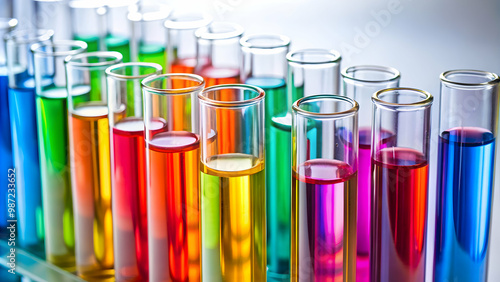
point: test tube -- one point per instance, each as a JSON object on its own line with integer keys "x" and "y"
{"x": 6, "y": 161}
{"x": 218, "y": 53}
{"x": 90, "y": 162}
{"x": 148, "y": 36}
{"x": 52, "y": 120}
{"x": 23, "y": 126}
{"x": 181, "y": 51}
{"x": 233, "y": 191}
{"x": 324, "y": 187}
{"x": 173, "y": 159}
{"x": 265, "y": 66}
{"x": 468, "y": 128}
{"x": 360, "y": 83}
{"x": 400, "y": 157}
{"x": 128, "y": 170}
{"x": 55, "y": 15}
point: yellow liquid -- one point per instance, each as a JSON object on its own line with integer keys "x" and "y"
{"x": 233, "y": 206}
{"x": 91, "y": 183}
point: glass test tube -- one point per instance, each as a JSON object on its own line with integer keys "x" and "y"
{"x": 52, "y": 120}
{"x": 218, "y": 53}
{"x": 90, "y": 162}
{"x": 23, "y": 125}
{"x": 102, "y": 24}
{"x": 128, "y": 169}
{"x": 55, "y": 15}
{"x": 233, "y": 199}
{"x": 400, "y": 157}
{"x": 148, "y": 35}
{"x": 324, "y": 186}
{"x": 6, "y": 161}
{"x": 265, "y": 66}
{"x": 468, "y": 128}
{"x": 360, "y": 83}
{"x": 181, "y": 51}
{"x": 173, "y": 159}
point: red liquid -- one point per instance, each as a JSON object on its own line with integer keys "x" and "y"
{"x": 399, "y": 216}
{"x": 183, "y": 65}
{"x": 130, "y": 199}
{"x": 174, "y": 239}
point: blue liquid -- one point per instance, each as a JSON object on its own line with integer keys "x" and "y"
{"x": 6, "y": 161}
{"x": 25, "y": 150}
{"x": 464, "y": 195}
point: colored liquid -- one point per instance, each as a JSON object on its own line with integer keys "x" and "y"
{"x": 174, "y": 207}
{"x": 464, "y": 196}
{"x": 55, "y": 174}
{"x": 91, "y": 40}
{"x": 6, "y": 160}
{"x": 233, "y": 218}
{"x": 364, "y": 199}
{"x": 25, "y": 151}
{"x": 152, "y": 53}
{"x": 90, "y": 175}
{"x": 119, "y": 44}
{"x": 130, "y": 199}
{"x": 399, "y": 219}
{"x": 216, "y": 76}
{"x": 183, "y": 65}
{"x": 278, "y": 174}
{"x": 323, "y": 237}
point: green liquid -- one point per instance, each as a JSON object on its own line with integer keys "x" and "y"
{"x": 52, "y": 116}
{"x": 91, "y": 40}
{"x": 153, "y": 53}
{"x": 278, "y": 174}
{"x": 119, "y": 44}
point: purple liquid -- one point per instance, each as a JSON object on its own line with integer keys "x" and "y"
{"x": 323, "y": 221}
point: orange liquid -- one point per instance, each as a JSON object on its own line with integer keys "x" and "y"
{"x": 228, "y": 121}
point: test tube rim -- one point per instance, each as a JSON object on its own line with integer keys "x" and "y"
{"x": 495, "y": 79}
{"x": 103, "y": 54}
{"x": 334, "y": 115}
{"x": 336, "y": 54}
{"x": 285, "y": 41}
{"x": 395, "y": 73}
{"x": 203, "y": 33}
{"x": 73, "y": 43}
{"x": 425, "y": 103}
{"x": 42, "y": 35}
{"x": 171, "y": 23}
{"x": 231, "y": 104}
{"x": 178, "y": 91}
{"x": 109, "y": 70}
{"x": 10, "y": 23}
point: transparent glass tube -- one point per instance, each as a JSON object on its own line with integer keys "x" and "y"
{"x": 360, "y": 83}
{"x": 265, "y": 66}
{"x": 52, "y": 120}
{"x": 55, "y": 15}
{"x": 102, "y": 25}
{"x": 311, "y": 72}
{"x": 218, "y": 53}
{"x": 400, "y": 157}
{"x": 173, "y": 159}
{"x": 468, "y": 129}
{"x": 90, "y": 161}
{"x": 128, "y": 169}
{"x": 6, "y": 161}
{"x": 8, "y": 10}
{"x": 323, "y": 197}
{"x": 233, "y": 191}
{"x": 23, "y": 126}
{"x": 148, "y": 35}
{"x": 181, "y": 56}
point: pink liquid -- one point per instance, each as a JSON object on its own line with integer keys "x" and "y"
{"x": 130, "y": 199}
{"x": 323, "y": 221}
